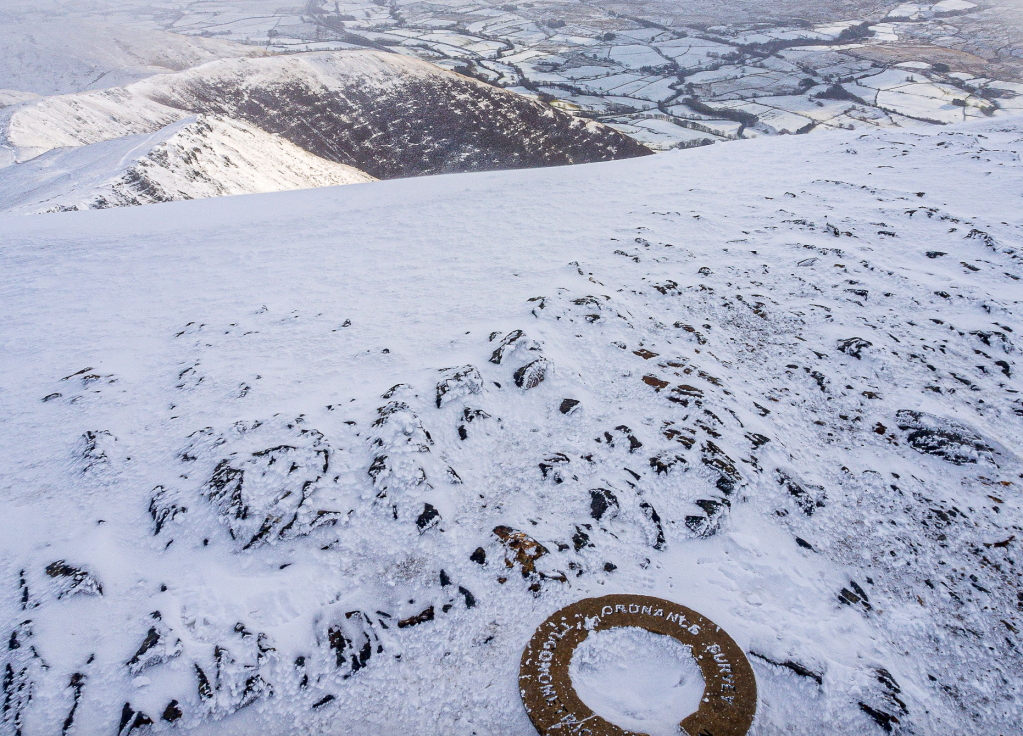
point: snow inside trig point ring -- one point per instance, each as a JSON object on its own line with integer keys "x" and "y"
{"x": 730, "y": 694}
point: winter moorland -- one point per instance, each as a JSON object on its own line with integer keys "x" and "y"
{"x": 320, "y": 459}
{"x": 278, "y": 457}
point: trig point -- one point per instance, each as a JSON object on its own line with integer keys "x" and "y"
{"x": 730, "y": 695}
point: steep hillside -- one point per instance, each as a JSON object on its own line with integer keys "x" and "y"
{"x": 320, "y": 462}
{"x": 385, "y": 114}
{"x": 191, "y": 159}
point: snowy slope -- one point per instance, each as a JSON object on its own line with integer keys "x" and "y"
{"x": 194, "y": 158}
{"x": 66, "y": 121}
{"x": 244, "y": 437}
{"x": 60, "y": 56}
{"x": 386, "y": 114}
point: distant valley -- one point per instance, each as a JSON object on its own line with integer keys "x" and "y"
{"x": 382, "y": 114}
{"x": 405, "y": 89}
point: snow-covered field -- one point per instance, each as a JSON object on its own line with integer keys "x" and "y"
{"x": 321, "y": 461}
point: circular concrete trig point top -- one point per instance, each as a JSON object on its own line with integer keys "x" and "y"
{"x": 729, "y": 698}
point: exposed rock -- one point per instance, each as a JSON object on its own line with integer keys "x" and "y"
{"x": 458, "y": 383}
{"x": 1000, "y": 339}
{"x": 204, "y": 687}
{"x": 549, "y": 467}
{"x": 655, "y": 520}
{"x": 700, "y": 339}
{"x": 429, "y": 517}
{"x": 328, "y": 698}
{"x": 634, "y": 444}
{"x": 159, "y": 646}
{"x": 685, "y": 436}
{"x": 172, "y": 712}
{"x": 657, "y": 383}
{"x": 533, "y": 374}
{"x": 163, "y": 510}
{"x": 856, "y": 596}
{"x": 853, "y": 346}
{"x": 235, "y": 686}
{"x": 401, "y": 437}
{"x": 799, "y": 669}
{"x": 714, "y": 457}
{"x": 508, "y": 344}
{"x": 581, "y": 539}
{"x": 683, "y": 392}
{"x": 757, "y": 440}
{"x": 95, "y": 447}
{"x": 353, "y": 641}
{"x": 885, "y": 706}
{"x": 77, "y": 685}
{"x": 263, "y": 489}
{"x": 22, "y": 667}
{"x": 707, "y": 525}
{"x": 470, "y": 599}
{"x": 944, "y": 438}
{"x": 568, "y": 406}
{"x": 520, "y": 549}
{"x": 73, "y": 580}
{"x": 808, "y": 498}
{"x": 133, "y": 721}
{"x": 468, "y": 417}
{"x": 603, "y": 503}
{"x": 419, "y": 618}
{"x": 665, "y": 461}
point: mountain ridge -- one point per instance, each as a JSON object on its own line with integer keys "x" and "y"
{"x": 386, "y": 114}
{"x": 198, "y": 156}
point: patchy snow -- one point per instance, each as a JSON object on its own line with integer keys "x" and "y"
{"x": 660, "y": 134}
{"x": 194, "y": 158}
{"x": 321, "y": 461}
{"x": 635, "y": 57}
{"x": 918, "y": 11}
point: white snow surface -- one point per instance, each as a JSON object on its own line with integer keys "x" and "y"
{"x": 239, "y": 412}
{"x": 200, "y": 156}
{"x": 636, "y": 679}
{"x": 60, "y": 56}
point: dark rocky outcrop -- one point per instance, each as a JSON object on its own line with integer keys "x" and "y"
{"x": 944, "y": 438}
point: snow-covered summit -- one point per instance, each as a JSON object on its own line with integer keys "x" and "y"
{"x": 321, "y": 461}
{"x": 199, "y": 156}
